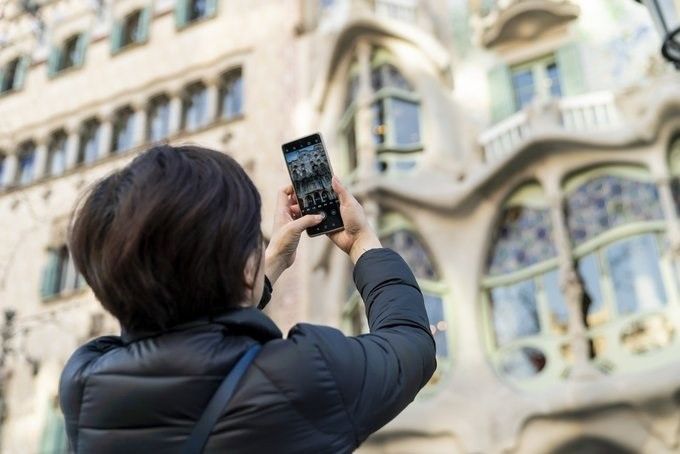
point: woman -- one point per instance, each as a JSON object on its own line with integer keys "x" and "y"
{"x": 171, "y": 246}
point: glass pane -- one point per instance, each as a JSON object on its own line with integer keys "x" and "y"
{"x": 554, "y": 80}
{"x": 589, "y": 270}
{"x": 607, "y": 202}
{"x": 159, "y": 119}
{"x": 57, "y": 155}
{"x": 514, "y": 311}
{"x": 232, "y": 97}
{"x": 650, "y": 333}
{"x": 197, "y": 9}
{"x": 89, "y": 143}
{"x": 434, "y": 307}
{"x": 675, "y": 188}
{"x": 524, "y": 87}
{"x": 26, "y": 166}
{"x": 194, "y": 108}
{"x": 2, "y": 169}
{"x": 406, "y": 121}
{"x": 523, "y": 238}
{"x": 413, "y": 252}
{"x": 395, "y": 79}
{"x": 559, "y": 315}
{"x": 523, "y": 362}
{"x": 635, "y": 274}
{"x": 378, "y": 121}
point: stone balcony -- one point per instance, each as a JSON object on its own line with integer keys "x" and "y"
{"x": 590, "y": 113}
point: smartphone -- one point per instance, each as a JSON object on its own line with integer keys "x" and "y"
{"x": 311, "y": 173}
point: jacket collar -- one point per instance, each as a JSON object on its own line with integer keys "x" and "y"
{"x": 242, "y": 321}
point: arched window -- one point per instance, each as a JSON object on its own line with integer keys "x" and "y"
{"x": 123, "y": 129}
{"x": 158, "y": 118}
{"x": 194, "y": 107}
{"x": 398, "y": 234}
{"x": 56, "y": 153}
{"x": 25, "y": 172}
{"x": 395, "y": 111}
{"x": 616, "y": 226}
{"x": 231, "y": 94}
{"x": 88, "y": 148}
{"x": 524, "y": 308}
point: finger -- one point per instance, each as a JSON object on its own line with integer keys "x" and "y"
{"x": 340, "y": 189}
{"x": 295, "y": 211}
{"x": 305, "y": 222}
{"x": 282, "y": 197}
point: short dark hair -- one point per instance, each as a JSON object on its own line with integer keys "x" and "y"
{"x": 166, "y": 239}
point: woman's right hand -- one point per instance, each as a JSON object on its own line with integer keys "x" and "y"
{"x": 358, "y": 236}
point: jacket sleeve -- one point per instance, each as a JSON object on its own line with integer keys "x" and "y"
{"x": 380, "y": 373}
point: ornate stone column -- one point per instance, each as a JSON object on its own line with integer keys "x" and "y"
{"x": 105, "y": 134}
{"x": 40, "y": 157}
{"x": 212, "y": 102}
{"x": 72, "y": 145}
{"x": 366, "y": 149}
{"x": 139, "y": 129}
{"x": 572, "y": 289}
{"x": 175, "y": 114}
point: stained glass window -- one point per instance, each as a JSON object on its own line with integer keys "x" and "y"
{"x": 414, "y": 253}
{"x": 523, "y": 238}
{"x": 609, "y": 201}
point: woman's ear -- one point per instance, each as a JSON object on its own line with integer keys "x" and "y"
{"x": 250, "y": 271}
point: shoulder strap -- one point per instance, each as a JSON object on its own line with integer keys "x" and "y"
{"x": 199, "y": 436}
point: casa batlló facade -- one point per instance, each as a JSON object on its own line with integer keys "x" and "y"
{"x": 520, "y": 154}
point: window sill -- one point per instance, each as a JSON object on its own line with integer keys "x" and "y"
{"x": 64, "y": 71}
{"x": 9, "y": 92}
{"x": 191, "y": 23}
{"x": 64, "y": 294}
{"x": 129, "y": 46}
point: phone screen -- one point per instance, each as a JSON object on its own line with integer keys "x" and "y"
{"x": 311, "y": 174}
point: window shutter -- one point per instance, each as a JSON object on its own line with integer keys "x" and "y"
{"x": 53, "y": 61}
{"x": 54, "y": 437}
{"x": 500, "y": 90}
{"x": 20, "y": 76}
{"x": 49, "y": 277}
{"x": 144, "y": 24}
{"x": 116, "y": 35}
{"x": 81, "y": 48}
{"x": 2, "y": 77}
{"x": 181, "y": 13}
{"x": 211, "y": 8}
{"x": 571, "y": 69}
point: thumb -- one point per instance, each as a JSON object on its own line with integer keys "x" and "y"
{"x": 340, "y": 189}
{"x": 310, "y": 220}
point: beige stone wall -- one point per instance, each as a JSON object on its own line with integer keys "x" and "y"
{"x": 294, "y": 71}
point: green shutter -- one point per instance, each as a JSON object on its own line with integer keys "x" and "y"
{"x": 53, "y": 61}
{"x": 22, "y": 69}
{"x": 181, "y": 13}
{"x": 49, "y": 277}
{"x": 116, "y": 35}
{"x": 2, "y": 77}
{"x": 571, "y": 69}
{"x": 81, "y": 49}
{"x": 211, "y": 8}
{"x": 144, "y": 24}
{"x": 501, "y": 93}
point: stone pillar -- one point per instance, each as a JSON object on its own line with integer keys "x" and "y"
{"x": 72, "y": 146}
{"x": 572, "y": 289}
{"x": 10, "y": 174}
{"x": 40, "y": 157}
{"x": 139, "y": 131}
{"x": 663, "y": 184}
{"x": 105, "y": 135}
{"x": 212, "y": 103}
{"x": 175, "y": 108}
{"x": 366, "y": 149}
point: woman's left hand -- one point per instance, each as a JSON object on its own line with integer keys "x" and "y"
{"x": 288, "y": 227}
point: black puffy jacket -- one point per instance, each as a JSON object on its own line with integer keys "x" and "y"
{"x": 316, "y": 391}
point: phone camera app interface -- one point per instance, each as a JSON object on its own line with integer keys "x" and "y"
{"x": 311, "y": 178}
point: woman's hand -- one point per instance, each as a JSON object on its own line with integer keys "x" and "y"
{"x": 358, "y": 236}
{"x": 288, "y": 227}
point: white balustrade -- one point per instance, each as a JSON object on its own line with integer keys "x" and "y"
{"x": 589, "y": 112}
{"x": 406, "y": 10}
{"x": 505, "y": 136}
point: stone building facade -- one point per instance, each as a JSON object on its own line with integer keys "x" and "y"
{"x": 520, "y": 154}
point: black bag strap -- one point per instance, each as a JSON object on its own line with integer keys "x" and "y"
{"x": 218, "y": 402}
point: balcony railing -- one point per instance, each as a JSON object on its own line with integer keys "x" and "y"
{"x": 592, "y": 112}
